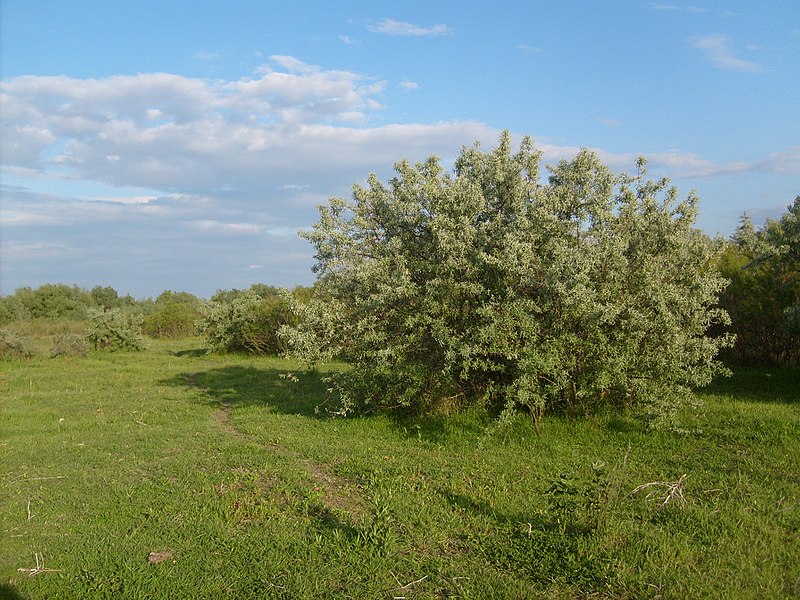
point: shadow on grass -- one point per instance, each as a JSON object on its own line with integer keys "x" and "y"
{"x": 483, "y": 509}
{"x": 244, "y": 386}
{"x": 305, "y": 393}
{"x": 9, "y": 593}
{"x": 194, "y": 352}
{"x": 542, "y": 548}
{"x": 768, "y": 384}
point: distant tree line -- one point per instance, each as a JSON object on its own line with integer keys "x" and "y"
{"x": 231, "y": 320}
{"x": 763, "y": 297}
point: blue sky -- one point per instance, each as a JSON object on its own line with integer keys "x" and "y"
{"x": 181, "y": 145}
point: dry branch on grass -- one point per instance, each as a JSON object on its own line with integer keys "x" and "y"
{"x": 672, "y": 489}
{"x": 407, "y": 586}
{"x": 39, "y": 568}
{"x": 38, "y": 478}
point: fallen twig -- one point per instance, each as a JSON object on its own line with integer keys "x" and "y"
{"x": 411, "y": 584}
{"x": 407, "y": 586}
{"x": 39, "y": 568}
{"x": 673, "y": 489}
{"x": 38, "y": 478}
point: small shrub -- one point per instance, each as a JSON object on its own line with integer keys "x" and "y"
{"x": 13, "y": 345}
{"x": 247, "y": 323}
{"x": 69, "y": 344}
{"x": 172, "y": 320}
{"x": 114, "y": 330}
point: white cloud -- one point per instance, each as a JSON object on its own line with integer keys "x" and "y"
{"x": 408, "y": 86}
{"x": 124, "y": 199}
{"x": 690, "y": 164}
{"x": 786, "y": 162}
{"x": 672, "y": 163}
{"x": 719, "y": 53}
{"x": 212, "y": 226}
{"x": 33, "y": 251}
{"x": 677, "y": 8}
{"x": 197, "y": 172}
{"x": 278, "y": 141}
{"x": 393, "y": 27}
{"x": 171, "y": 131}
{"x": 292, "y": 121}
{"x": 530, "y": 49}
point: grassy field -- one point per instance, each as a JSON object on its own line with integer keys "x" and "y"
{"x": 175, "y": 473}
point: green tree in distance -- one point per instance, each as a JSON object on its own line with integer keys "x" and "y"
{"x": 763, "y": 298}
{"x": 488, "y": 286}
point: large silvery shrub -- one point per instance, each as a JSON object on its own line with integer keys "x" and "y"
{"x": 488, "y": 286}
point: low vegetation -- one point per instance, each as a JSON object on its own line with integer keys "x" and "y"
{"x": 179, "y": 473}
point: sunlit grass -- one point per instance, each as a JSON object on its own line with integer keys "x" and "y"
{"x": 223, "y": 466}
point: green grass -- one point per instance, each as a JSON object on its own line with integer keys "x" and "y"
{"x": 224, "y": 464}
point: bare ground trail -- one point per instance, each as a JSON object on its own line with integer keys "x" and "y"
{"x": 337, "y": 493}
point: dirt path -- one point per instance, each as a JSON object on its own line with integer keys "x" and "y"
{"x": 337, "y": 495}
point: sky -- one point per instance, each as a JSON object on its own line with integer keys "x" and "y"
{"x": 181, "y": 145}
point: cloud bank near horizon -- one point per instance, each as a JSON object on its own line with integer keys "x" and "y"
{"x": 177, "y": 162}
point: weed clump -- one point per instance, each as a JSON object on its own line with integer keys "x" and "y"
{"x": 13, "y": 345}
{"x": 69, "y": 344}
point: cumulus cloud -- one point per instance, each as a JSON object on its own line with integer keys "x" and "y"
{"x": 210, "y": 175}
{"x": 393, "y": 27}
{"x": 290, "y": 124}
{"x": 718, "y": 51}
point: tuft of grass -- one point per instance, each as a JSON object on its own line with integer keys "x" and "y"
{"x": 222, "y": 468}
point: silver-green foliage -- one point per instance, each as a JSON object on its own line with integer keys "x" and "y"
{"x": 69, "y": 344}
{"x": 246, "y": 322}
{"x": 15, "y": 345}
{"x": 114, "y": 329}
{"x": 489, "y": 286}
